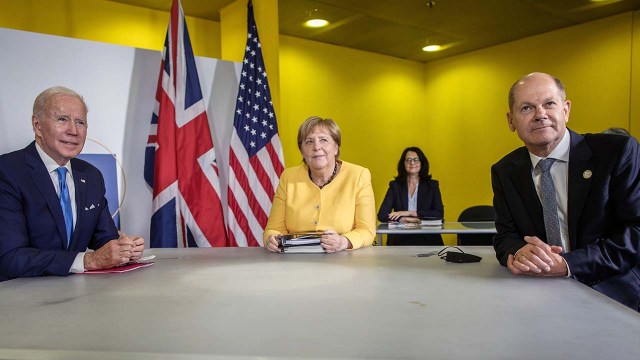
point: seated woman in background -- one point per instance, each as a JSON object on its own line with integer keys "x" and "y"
{"x": 412, "y": 196}
{"x": 323, "y": 194}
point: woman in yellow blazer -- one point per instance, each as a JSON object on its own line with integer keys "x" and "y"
{"x": 323, "y": 194}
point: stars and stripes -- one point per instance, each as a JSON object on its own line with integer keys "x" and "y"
{"x": 255, "y": 157}
{"x": 180, "y": 161}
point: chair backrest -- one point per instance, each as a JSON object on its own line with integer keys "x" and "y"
{"x": 477, "y": 213}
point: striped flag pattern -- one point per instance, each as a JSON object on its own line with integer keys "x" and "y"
{"x": 255, "y": 157}
{"x": 180, "y": 161}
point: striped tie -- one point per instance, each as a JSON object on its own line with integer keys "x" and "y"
{"x": 549, "y": 203}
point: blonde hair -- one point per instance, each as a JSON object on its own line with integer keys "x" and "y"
{"x": 316, "y": 121}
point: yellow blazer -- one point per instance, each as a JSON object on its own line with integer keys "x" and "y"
{"x": 346, "y": 205}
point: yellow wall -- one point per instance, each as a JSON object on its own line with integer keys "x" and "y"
{"x": 454, "y": 109}
{"x": 375, "y": 100}
{"x": 634, "y": 115}
{"x": 233, "y": 28}
{"x": 467, "y": 98}
{"x": 106, "y": 21}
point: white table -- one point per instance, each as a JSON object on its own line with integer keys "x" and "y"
{"x": 466, "y": 227}
{"x": 377, "y": 302}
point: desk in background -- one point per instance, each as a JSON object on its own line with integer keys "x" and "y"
{"x": 467, "y": 227}
{"x": 376, "y": 302}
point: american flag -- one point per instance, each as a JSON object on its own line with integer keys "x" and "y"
{"x": 255, "y": 157}
{"x": 180, "y": 162}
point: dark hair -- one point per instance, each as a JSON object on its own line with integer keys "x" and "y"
{"x": 424, "y": 165}
{"x": 616, "y": 131}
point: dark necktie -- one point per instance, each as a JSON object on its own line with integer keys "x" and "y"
{"x": 65, "y": 202}
{"x": 549, "y": 203}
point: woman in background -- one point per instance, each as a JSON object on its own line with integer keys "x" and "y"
{"x": 412, "y": 196}
{"x": 323, "y": 194}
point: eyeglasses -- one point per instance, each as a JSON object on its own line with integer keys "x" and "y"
{"x": 412, "y": 160}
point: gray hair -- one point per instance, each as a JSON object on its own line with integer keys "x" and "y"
{"x": 512, "y": 89}
{"x": 40, "y": 104}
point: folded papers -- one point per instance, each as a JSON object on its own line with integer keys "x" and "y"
{"x": 431, "y": 222}
{"x": 435, "y": 223}
{"x": 120, "y": 269}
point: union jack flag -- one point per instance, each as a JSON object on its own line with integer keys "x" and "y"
{"x": 255, "y": 157}
{"x": 180, "y": 161}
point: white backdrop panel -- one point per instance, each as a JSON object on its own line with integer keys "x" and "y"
{"x": 118, "y": 84}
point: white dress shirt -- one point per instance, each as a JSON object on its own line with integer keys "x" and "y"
{"x": 51, "y": 165}
{"x": 560, "y": 175}
{"x": 413, "y": 199}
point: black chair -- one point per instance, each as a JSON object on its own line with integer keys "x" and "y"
{"x": 476, "y": 213}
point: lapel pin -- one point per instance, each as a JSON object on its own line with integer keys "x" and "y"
{"x": 587, "y": 174}
{"x": 82, "y": 180}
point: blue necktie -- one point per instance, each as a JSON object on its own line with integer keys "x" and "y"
{"x": 549, "y": 203}
{"x": 65, "y": 202}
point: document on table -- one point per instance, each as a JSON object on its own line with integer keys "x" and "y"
{"x": 303, "y": 249}
{"x": 431, "y": 222}
{"x": 306, "y": 238}
{"x": 436, "y": 223}
{"x": 130, "y": 266}
{"x": 305, "y": 242}
{"x": 119, "y": 269}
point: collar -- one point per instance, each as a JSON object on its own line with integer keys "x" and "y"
{"x": 561, "y": 152}
{"x": 49, "y": 163}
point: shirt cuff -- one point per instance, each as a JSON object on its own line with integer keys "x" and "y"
{"x": 568, "y": 268}
{"x": 78, "y": 264}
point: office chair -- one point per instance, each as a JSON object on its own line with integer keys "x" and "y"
{"x": 476, "y": 213}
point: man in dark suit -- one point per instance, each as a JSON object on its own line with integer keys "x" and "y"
{"x": 52, "y": 206}
{"x": 595, "y": 193}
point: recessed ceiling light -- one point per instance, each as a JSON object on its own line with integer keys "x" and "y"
{"x": 316, "y": 23}
{"x": 432, "y": 48}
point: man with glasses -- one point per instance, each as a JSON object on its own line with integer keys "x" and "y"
{"x": 567, "y": 204}
{"x": 52, "y": 206}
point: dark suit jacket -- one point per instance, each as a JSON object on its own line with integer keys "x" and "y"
{"x": 603, "y": 212}
{"x": 429, "y": 205}
{"x": 32, "y": 230}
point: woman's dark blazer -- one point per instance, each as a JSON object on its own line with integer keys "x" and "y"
{"x": 429, "y": 205}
